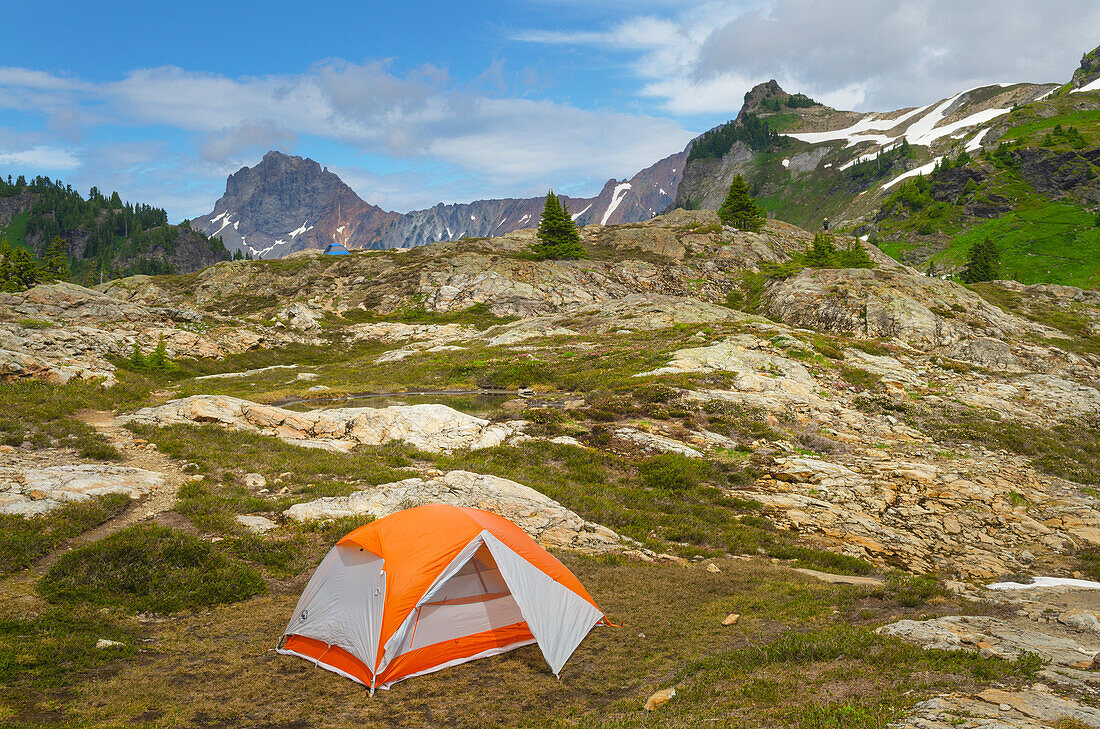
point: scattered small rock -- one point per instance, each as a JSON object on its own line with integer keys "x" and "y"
{"x": 731, "y": 619}
{"x": 659, "y": 699}
{"x": 713, "y": 568}
{"x": 254, "y": 481}
{"x": 255, "y": 523}
{"x": 103, "y": 643}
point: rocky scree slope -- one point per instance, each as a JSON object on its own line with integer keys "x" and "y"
{"x": 286, "y": 204}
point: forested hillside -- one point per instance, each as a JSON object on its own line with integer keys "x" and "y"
{"x": 48, "y": 231}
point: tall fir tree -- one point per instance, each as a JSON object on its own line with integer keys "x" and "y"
{"x": 56, "y": 264}
{"x": 739, "y": 209}
{"x": 557, "y": 234}
{"x": 983, "y": 262}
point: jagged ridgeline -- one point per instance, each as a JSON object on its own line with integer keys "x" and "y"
{"x": 102, "y": 236}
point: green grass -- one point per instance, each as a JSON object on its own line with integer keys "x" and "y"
{"x": 803, "y": 655}
{"x": 22, "y": 541}
{"x": 35, "y": 414}
{"x": 1069, "y": 449}
{"x": 149, "y": 569}
{"x": 223, "y": 457}
{"x": 16, "y": 231}
{"x": 477, "y": 316}
{"x": 45, "y": 651}
{"x": 1032, "y": 131}
{"x": 666, "y": 502}
{"x": 1040, "y": 242}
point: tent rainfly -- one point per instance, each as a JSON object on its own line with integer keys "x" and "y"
{"x": 335, "y": 249}
{"x": 432, "y": 587}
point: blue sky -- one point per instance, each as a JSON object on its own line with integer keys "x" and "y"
{"x": 413, "y": 103}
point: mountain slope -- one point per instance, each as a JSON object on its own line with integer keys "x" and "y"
{"x": 1019, "y": 163}
{"x": 285, "y": 204}
{"x": 818, "y": 164}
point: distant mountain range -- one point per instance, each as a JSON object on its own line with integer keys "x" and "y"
{"x": 1016, "y": 162}
{"x": 286, "y": 204}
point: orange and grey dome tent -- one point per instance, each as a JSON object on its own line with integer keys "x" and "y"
{"x": 431, "y": 587}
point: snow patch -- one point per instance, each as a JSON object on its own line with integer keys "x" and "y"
{"x": 662, "y": 191}
{"x": 856, "y": 133}
{"x": 1046, "y": 582}
{"x": 616, "y": 198}
{"x": 298, "y": 231}
{"x": 258, "y": 254}
{"x": 976, "y": 143}
{"x": 574, "y": 216}
{"x": 1093, "y": 85}
{"x": 922, "y": 170}
{"x": 931, "y": 135}
{"x": 472, "y": 218}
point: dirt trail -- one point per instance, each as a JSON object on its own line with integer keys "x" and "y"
{"x": 135, "y": 455}
{"x": 18, "y": 589}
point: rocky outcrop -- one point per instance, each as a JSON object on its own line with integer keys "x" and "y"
{"x": 433, "y": 428}
{"x": 1070, "y": 655}
{"x": 973, "y": 518}
{"x": 995, "y": 708}
{"x": 919, "y": 310}
{"x": 547, "y": 521}
{"x": 58, "y": 332}
{"x": 36, "y": 491}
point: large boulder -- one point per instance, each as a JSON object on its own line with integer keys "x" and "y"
{"x": 547, "y": 521}
{"x": 434, "y": 428}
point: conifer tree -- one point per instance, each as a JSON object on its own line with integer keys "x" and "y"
{"x": 56, "y": 264}
{"x": 557, "y": 234}
{"x": 983, "y": 262}
{"x": 739, "y": 209}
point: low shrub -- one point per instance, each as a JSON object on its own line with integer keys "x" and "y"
{"x": 149, "y": 569}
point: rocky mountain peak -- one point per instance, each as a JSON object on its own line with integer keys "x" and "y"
{"x": 286, "y": 204}
{"x": 755, "y": 96}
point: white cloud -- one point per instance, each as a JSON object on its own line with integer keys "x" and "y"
{"x": 418, "y": 115}
{"x": 40, "y": 157}
{"x": 862, "y": 54}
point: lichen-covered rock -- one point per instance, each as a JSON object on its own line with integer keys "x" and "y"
{"x": 434, "y": 428}
{"x": 920, "y": 310}
{"x": 34, "y": 491}
{"x": 547, "y": 521}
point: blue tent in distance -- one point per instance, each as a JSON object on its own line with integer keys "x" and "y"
{"x": 335, "y": 249}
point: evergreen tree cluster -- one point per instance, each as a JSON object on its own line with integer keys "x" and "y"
{"x": 983, "y": 262}
{"x": 825, "y": 254}
{"x": 19, "y": 270}
{"x": 112, "y": 230}
{"x": 739, "y": 210}
{"x": 1064, "y": 135}
{"x": 755, "y": 133}
{"x": 558, "y": 236}
{"x": 794, "y": 101}
{"x": 870, "y": 170}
